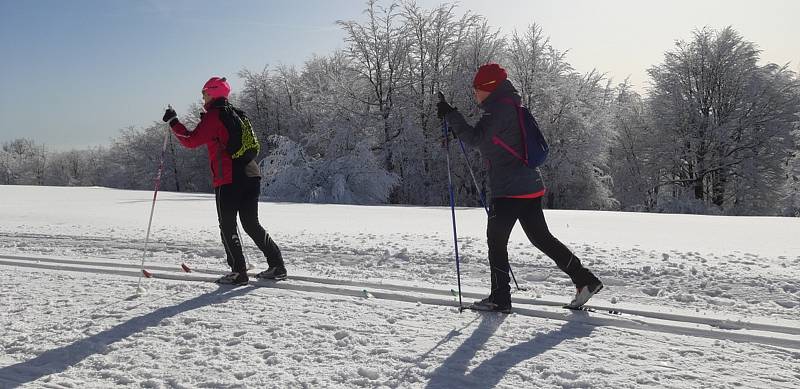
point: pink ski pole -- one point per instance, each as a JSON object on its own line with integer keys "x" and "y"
{"x": 152, "y": 208}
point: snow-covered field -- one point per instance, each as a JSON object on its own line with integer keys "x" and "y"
{"x": 706, "y": 302}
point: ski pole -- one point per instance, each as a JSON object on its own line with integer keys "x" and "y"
{"x": 482, "y": 199}
{"x": 445, "y": 132}
{"x": 153, "y": 206}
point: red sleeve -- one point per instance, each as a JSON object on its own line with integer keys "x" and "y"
{"x": 203, "y": 134}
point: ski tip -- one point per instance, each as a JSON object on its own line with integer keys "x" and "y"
{"x": 186, "y": 268}
{"x": 147, "y": 274}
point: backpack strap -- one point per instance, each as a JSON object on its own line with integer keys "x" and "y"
{"x": 505, "y": 146}
{"x": 523, "y": 133}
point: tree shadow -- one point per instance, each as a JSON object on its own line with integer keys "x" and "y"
{"x": 453, "y": 371}
{"x": 60, "y": 359}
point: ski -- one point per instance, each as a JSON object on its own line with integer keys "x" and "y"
{"x": 593, "y": 310}
{"x": 250, "y": 269}
{"x": 188, "y": 269}
{"x": 478, "y": 308}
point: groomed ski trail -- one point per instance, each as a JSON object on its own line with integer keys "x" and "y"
{"x": 717, "y": 322}
{"x": 781, "y": 336}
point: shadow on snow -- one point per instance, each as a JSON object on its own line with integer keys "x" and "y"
{"x": 453, "y": 371}
{"x": 60, "y": 359}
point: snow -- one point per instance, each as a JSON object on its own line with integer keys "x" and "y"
{"x": 368, "y": 302}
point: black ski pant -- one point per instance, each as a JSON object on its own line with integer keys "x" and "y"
{"x": 503, "y": 215}
{"x": 241, "y": 197}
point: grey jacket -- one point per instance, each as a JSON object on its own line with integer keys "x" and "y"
{"x": 508, "y": 176}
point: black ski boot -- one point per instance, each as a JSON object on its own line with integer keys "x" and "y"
{"x": 273, "y": 273}
{"x": 488, "y": 304}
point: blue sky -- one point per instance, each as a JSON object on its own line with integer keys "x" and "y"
{"x": 75, "y": 72}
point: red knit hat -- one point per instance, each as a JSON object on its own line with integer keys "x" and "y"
{"x": 217, "y": 87}
{"x": 489, "y": 77}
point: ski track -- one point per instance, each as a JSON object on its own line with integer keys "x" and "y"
{"x": 172, "y": 272}
{"x": 711, "y": 282}
{"x": 595, "y": 319}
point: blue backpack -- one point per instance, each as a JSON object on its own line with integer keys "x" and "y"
{"x": 535, "y": 146}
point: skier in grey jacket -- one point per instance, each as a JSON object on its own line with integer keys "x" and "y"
{"x": 516, "y": 189}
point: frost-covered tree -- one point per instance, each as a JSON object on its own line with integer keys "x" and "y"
{"x": 631, "y": 152}
{"x": 23, "y": 162}
{"x": 326, "y": 151}
{"x": 536, "y": 67}
{"x": 435, "y": 35}
{"x": 355, "y": 177}
{"x": 68, "y": 168}
{"x": 378, "y": 50}
{"x": 791, "y": 199}
{"x": 257, "y": 99}
{"x": 578, "y": 133}
{"x": 727, "y": 119}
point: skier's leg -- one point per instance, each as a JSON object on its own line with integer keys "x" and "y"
{"x": 248, "y": 214}
{"x": 502, "y": 217}
{"x": 227, "y": 207}
{"x": 228, "y": 256}
{"x": 535, "y": 227}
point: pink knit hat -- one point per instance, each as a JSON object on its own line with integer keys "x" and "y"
{"x": 217, "y": 87}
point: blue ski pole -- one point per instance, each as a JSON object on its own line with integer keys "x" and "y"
{"x": 445, "y": 132}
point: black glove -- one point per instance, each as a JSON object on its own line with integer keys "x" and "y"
{"x": 169, "y": 114}
{"x": 442, "y": 109}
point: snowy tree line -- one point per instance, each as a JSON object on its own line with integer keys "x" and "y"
{"x": 716, "y": 132}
